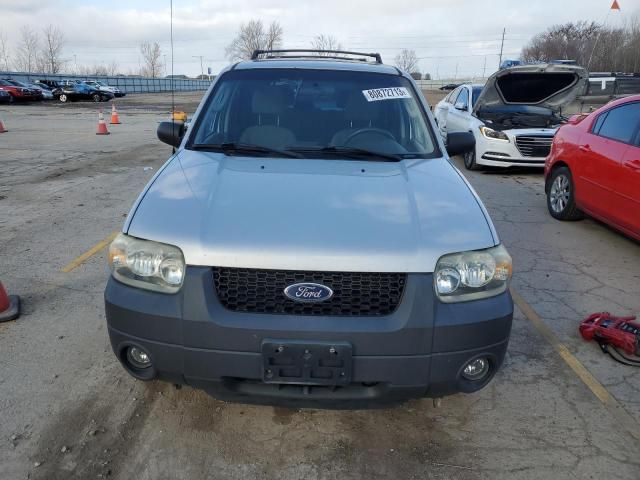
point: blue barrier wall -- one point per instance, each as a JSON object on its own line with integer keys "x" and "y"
{"x": 126, "y": 84}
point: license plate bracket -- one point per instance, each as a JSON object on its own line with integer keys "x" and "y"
{"x": 304, "y": 363}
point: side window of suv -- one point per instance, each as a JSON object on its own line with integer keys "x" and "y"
{"x": 620, "y": 123}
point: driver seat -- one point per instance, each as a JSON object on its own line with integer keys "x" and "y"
{"x": 358, "y": 114}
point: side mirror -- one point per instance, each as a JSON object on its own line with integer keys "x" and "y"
{"x": 459, "y": 143}
{"x": 461, "y": 106}
{"x": 171, "y": 132}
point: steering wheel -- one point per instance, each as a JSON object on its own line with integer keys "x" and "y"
{"x": 377, "y": 131}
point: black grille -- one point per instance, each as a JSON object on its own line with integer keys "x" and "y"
{"x": 354, "y": 294}
{"x": 534, "y": 145}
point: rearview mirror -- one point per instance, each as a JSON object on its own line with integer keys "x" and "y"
{"x": 171, "y": 132}
{"x": 459, "y": 143}
{"x": 461, "y": 106}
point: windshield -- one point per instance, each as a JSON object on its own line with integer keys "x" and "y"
{"x": 314, "y": 113}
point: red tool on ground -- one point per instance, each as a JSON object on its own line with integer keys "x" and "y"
{"x": 617, "y": 336}
{"x": 9, "y": 305}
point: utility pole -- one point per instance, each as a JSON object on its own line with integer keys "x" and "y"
{"x": 504, "y": 30}
{"x": 201, "y": 67}
{"x": 484, "y": 68}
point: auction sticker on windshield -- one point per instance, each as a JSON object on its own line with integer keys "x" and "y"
{"x": 377, "y": 94}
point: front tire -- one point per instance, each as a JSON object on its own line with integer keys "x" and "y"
{"x": 561, "y": 196}
{"x": 63, "y": 98}
{"x": 96, "y": 98}
{"x": 470, "y": 160}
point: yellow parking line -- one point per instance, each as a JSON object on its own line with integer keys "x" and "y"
{"x": 578, "y": 368}
{"x": 75, "y": 263}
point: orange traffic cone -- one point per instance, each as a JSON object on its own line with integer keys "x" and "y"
{"x": 9, "y": 305}
{"x": 102, "y": 126}
{"x": 115, "y": 119}
{"x": 2, "y": 129}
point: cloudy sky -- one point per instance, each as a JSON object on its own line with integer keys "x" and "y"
{"x": 447, "y": 35}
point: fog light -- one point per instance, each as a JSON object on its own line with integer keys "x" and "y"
{"x": 476, "y": 369}
{"x": 138, "y": 357}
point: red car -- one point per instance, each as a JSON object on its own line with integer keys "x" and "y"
{"x": 18, "y": 91}
{"x": 594, "y": 167}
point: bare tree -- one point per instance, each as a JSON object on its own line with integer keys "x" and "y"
{"x": 325, "y": 42}
{"x": 151, "y": 55}
{"x": 274, "y": 36}
{"x": 252, "y": 36}
{"x": 4, "y": 52}
{"x": 27, "y": 51}
{"x": 594, "y": 46}
{"x": 113, "y": 68}
{"x": 51, "y": 51}
{"x": 407, "y": 60}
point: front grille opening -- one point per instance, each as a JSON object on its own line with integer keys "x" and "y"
{"x": 354, "y": 294}
{"x": 353, "y": 391}
{"x": 534, "y": 145}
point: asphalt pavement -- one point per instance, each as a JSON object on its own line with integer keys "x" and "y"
{"x": 558, "y": 409}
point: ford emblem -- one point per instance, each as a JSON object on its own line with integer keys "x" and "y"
{"x": 308, "y": 292}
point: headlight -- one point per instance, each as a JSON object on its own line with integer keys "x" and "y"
{"x": 146, "y": 264}
{"x": 492, "y": 134}
{"x": 465, "y": 276}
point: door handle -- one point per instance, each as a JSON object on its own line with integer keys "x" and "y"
{"x": 585, "y": 148}
{"x": 633, "y": 164}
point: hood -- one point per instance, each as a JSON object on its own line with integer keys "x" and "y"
{"x": 329, "y": 215}
{"x": 547, "y": 91}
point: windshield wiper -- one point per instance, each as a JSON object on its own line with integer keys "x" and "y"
{"x": 358, "y": 153}
{"x": 232, "y": 148}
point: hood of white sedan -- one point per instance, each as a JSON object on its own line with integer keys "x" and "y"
{"x": 531, "y": 90}
{"x": 307, "y": 214}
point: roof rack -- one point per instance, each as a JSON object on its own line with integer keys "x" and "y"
{"x": 334, "y": 54}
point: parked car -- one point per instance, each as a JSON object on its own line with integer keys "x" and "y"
{"x": 310, "y": 242}
{"x": 5, "y": 97}
{"x": 73, "y": 92}
{"x": 104, "y": 87}
{"x": 450, "y": 86}
{"x": 51, "y": 84}
{"x": 509, "y": 63}
{"x": 516, "y": 114}
{"x": 45, "y": 92}
{"x": 19, "y": 92}
{"x": 594, "y": 167}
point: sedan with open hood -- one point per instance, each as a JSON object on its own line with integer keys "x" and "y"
{"x": 516, "y": 115}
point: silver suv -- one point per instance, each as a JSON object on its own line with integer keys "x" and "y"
{"x": 309, "y": 243}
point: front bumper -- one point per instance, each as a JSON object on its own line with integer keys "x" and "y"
{"x": 419, "y": 350}
{"x": 499, "y": 153}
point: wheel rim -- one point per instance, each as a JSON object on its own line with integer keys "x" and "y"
{"x": 560, "y": 193}
{"x": 63, "y": 98}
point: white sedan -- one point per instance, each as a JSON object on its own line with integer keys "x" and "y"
{"x": 514, "y": 116}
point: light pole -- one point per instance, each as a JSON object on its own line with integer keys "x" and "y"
{"x": 201, "y": 67}
{"x": 504, "y": 30}
{"x": 75, "y": 64}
